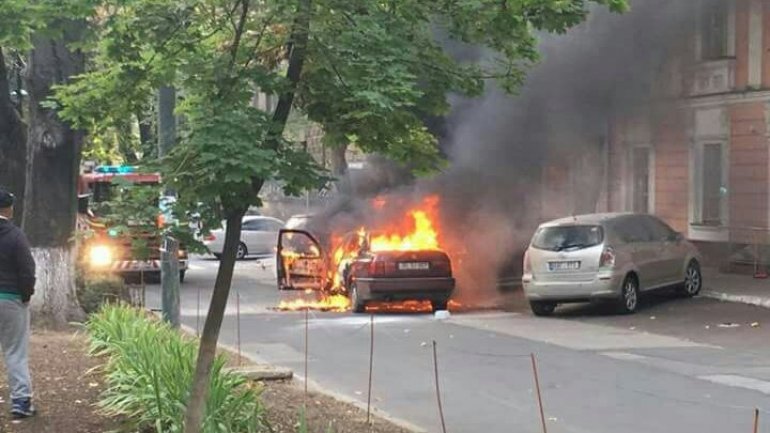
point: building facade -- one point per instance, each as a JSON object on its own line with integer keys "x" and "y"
{"x": 699, "y": 154}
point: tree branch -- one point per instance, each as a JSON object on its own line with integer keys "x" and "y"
{"x": 268, "y": 21}
{"x": 238, "y": 36}
{"x": 297, "y": 50}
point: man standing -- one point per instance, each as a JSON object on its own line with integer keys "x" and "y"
{"x": 17, "y": 284}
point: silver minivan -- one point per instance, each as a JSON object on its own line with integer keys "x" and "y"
{"x": 614, "y": 257}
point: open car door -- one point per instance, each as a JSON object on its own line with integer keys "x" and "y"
{"x": 301, "y": 264}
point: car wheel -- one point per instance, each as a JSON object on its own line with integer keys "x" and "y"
{"x": 358, "y": 305}
{"x": 542, "y": 308}
{"x": 629, "y": 295}
{"x": 181, "y": 276}
{"x": 218, "y": 256}
{"x": 693, "y": 279}
{"x": 439, "y": 305}
{"x": 242, "y": 252}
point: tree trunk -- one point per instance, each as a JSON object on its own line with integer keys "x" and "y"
{"x": 340, "y": 166}
{"x": 13, "y": 143}
{"x": 166, "y": 120}
{"x": 169, "y": 271}
{"x": 196, "y": 404}
{"x": 53, "y": 164}
{"x": 146, "y": 139}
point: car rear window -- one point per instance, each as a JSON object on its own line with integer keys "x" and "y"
{"x": 562, "y": 238}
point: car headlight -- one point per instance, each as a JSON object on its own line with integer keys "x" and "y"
{"x": 100, "y": 256}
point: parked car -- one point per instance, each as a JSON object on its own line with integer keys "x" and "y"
{"x": 298, "y": 222}
{"x": 366, "y": 276}
{"x": 615, "y": 257}
{"x": 258, "y": 236}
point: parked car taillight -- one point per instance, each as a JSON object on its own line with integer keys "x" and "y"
{"x": 210, "y": 237}
{"x": 441, "y": 265}
{"x": 381, "y": 267}
{"x": 527, "y": 263}
{"x": 608, "y": 258}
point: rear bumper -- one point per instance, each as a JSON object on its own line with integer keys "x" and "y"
{"x": 603, "y": 286}
{"x": 402, "y": 289}
{"x": 132, "y": 266}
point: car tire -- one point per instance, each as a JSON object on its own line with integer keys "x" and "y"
{"x": 439, "y": 305}
{"x": 242, "y": 252}
{"x": 693, "y": 280}
{"x": 542, "y": 308}
{"x": 181, "y": 276}
{"x": 218, "y": 256}
{"x": 357, "y": 304}
{"x": 629, "y": 295}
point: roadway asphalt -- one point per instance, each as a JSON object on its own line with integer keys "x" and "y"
{"x": 679, "y": 365}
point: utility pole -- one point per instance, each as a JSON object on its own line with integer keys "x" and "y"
{"x": 169, "y": 264}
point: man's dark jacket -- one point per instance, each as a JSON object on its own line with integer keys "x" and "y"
{"x": 17, "y": 267}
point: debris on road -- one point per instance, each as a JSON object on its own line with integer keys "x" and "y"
{"x": 729, "y": 325}
{"x": 755, "y": 325}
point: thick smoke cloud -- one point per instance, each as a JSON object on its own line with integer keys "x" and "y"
{"x": 499, "y": 145}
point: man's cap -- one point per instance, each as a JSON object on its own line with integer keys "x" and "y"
{"x": 6, "y": 198}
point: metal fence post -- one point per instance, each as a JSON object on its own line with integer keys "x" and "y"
{"x": 169, "y": 272}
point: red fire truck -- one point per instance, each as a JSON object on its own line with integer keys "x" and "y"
{"x": 103, "y": 248}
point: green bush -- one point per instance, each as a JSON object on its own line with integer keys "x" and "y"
{"x": 93, "y": 291}
{"x": 149, "y": 369}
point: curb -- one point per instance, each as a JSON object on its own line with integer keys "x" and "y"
{"x": 757, "y": 301}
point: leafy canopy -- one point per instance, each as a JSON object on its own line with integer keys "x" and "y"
{"x": 372, "y": 71}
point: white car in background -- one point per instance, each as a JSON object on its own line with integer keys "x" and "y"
{"x": 259, "y": 236}
{"x": 298, "y": 222}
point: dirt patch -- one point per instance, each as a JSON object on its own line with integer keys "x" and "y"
{"x": 284, "y": 401}
{"x": 66, "y": 390}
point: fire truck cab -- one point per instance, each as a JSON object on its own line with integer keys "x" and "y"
{"x": 103, "y": 248}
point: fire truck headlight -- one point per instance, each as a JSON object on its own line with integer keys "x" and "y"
{"x": 100, "y": 256}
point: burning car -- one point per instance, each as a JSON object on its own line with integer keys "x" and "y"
{"x": 368, "y": 266}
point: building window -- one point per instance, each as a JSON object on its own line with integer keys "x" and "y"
{"x": 711, "y": 185}
{"x": 641, "y": 179}
{"x": 714, "y": 30}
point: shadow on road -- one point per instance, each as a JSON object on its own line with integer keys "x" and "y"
{"x": 648, "y": 303}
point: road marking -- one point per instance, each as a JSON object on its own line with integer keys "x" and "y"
{"x": 679, "y": 367}
{"x": 572, "y": 334}
{"x": 739, "y": 382}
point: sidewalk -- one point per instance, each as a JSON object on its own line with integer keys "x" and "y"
{"x": 743, "y": 289}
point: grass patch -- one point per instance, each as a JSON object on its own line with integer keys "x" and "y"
{"x": 149, "y": 369}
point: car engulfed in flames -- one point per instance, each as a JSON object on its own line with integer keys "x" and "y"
{"x": 399, "y": 261}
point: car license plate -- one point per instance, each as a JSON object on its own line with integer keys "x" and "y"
{"x": 563, "y": 266}
{"x": 413, "y": 266}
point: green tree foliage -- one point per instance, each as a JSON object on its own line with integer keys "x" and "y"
{"x": 371, "y": 68}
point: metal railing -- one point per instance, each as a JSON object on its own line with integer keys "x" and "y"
{"x": 748, "y": 246}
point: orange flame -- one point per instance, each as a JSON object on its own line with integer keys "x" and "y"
{"x": 423, "y": 237}
{"x": 336, "y": 303}
{"x": 415, "y": 231}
